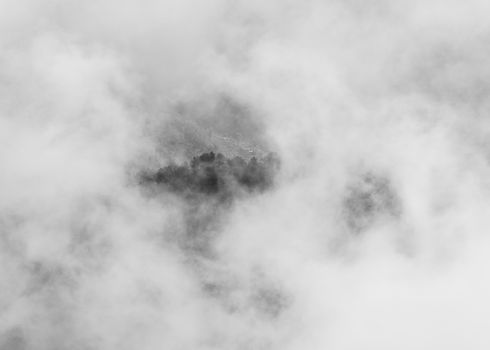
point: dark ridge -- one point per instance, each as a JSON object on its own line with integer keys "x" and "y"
{"x": 216, "y": 175}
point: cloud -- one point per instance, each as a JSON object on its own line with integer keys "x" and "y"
{"x": 374, "y": 234}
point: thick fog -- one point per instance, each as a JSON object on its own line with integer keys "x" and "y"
{"x": 371, "y": 232}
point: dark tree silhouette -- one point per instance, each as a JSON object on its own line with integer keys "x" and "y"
{"x": 214, "y": 174}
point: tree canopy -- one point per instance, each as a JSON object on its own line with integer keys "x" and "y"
{"x": 215, "y": 174}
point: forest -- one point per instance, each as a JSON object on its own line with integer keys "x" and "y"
{"x": 216, "y": 175}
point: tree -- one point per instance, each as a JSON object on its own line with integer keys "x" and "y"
{"x": 212, "y": 174}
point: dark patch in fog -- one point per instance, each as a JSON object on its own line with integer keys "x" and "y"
{"x": 269, "y": 300}
{"x": 369, "y": 198}
{"x": 259, "y": 295}
{"x": 13, "y": 339}
{"x": 216, "y": 175}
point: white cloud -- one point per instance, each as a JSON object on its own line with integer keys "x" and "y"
{"x": 344, "y": 89}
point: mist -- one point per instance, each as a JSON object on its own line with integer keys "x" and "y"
{"x": 370, "y": 232}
